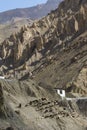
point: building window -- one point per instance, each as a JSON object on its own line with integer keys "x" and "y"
{"x": 60, "y": 91}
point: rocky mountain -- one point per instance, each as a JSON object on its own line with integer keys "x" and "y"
{"x": 11, "y": 21}
{"x": 50, "y": 54}
{"x": 31, "y": 13}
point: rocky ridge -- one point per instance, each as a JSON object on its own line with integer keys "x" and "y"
{"x": 32, "y": 13}
{"x": 11, "y": 21}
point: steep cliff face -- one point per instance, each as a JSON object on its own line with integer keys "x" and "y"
{"x": 63, "y": 24}
{"x": 60, "y": 33}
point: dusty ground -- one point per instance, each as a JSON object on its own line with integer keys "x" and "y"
{"x": 38, "y": 111}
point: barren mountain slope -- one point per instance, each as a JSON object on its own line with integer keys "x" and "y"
{"x": 56, "y": 45}
{"x": 51, "y": 53}
{"x": 27, "y": 106}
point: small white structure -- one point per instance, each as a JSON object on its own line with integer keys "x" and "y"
{"x": 62, "y": 93}
{"x": 2, "y": 77}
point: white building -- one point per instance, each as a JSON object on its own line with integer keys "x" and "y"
{"x": 62, "y": 93}
{"x": 2, "y": 77}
